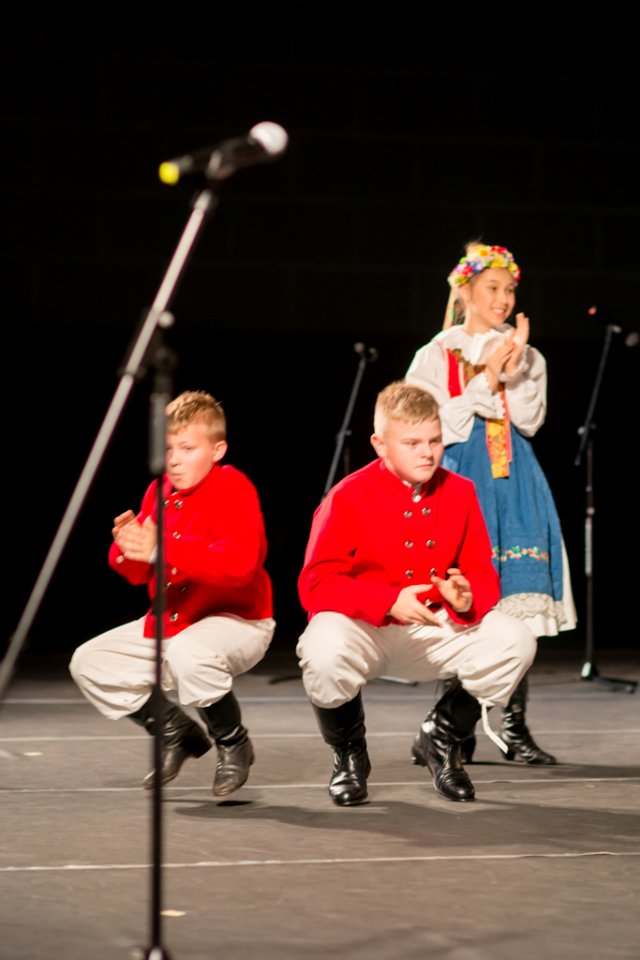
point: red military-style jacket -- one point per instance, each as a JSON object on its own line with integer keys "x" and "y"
{"x": 215, "y": 547}
{"x": 374, "y": 534}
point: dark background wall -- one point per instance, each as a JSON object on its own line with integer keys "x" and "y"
{"x": 412, "y": 130}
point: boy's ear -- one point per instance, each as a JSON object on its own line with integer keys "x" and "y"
{"x": 219, "y": 450}
{"x": 377, "y": 444}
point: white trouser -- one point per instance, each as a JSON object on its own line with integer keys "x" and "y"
{"x": 116, "y": 670}
{"x": 339, "y": 655}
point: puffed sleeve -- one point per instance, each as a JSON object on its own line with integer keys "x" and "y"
{"x": 526, "y": 392}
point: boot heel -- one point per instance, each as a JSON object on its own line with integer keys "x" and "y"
{"x": 418, "y": 756}
{"x": 467, "y": 749}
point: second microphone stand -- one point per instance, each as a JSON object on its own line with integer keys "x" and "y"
{"x": 367, "y": 355}
{"x": 589, "y": 669}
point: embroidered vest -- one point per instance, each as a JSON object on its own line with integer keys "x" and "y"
{"x": 497, "y": 430}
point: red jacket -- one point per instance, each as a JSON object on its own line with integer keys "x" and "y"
{"x": 370, "y": 538}
{"x": 214, "y": 550}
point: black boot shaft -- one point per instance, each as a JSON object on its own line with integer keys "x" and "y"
{"x": 343, "y": 728}
{"x": 342, "y": 725}
{"x": 223, "y": 719}
{"x": 515, "y": 732}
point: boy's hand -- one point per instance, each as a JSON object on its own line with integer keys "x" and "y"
{"x": 138, "y": 541}
{"x": 408, "y": 609}
{"x": 456, "y": 590}
{"x": 121, "y": 521}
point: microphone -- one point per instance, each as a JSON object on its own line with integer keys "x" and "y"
{"x": 371, "y": 352}
{"x": 631, "y": 337}
{"x": 265, "y": 141}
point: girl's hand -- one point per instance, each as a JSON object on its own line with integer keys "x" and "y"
{"x": 518, "y": 339}
{"x": 496, "y": 361}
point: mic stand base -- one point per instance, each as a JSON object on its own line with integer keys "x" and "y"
{"x": 589, "y": 672}
{"x": 149, "y": 953}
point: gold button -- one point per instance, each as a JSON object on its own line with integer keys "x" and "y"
{"x": 408, "y": 514}
{"x": 408, "y": 543}
{"x": 431, "y": 544}
{"x": 173, "y": 617}
{"x": 176, "y": 535}
{"x": 408, "y": 574}
{"x": 426, "y": 511}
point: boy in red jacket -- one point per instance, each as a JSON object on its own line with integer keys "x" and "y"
{"x": 398, "y": 580}
{"x": 217, "y": 613}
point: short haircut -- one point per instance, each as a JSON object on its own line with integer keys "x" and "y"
{"x": 406, "y": 402}
{"x": 196, "y": 406}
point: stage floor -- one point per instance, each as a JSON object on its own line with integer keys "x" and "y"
{"x": 545, "y": 864}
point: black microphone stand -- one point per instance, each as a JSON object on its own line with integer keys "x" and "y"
{"x": 589, "y": 669}
{"x": 367, "y": 355}
{"x": 164, "y": 361}
{"x": 147, "y": 350}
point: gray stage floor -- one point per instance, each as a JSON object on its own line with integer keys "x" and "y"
{"x": 545, "y": 864}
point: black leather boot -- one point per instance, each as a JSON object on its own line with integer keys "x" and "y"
{"x": 235, "y": 750}
{"x": 343, "y": 729}
{"x": 438, "y": 743}
{"x": 468, "y": 746}
{"x": 516, "y": 734}
{"x": 182, "y": 737}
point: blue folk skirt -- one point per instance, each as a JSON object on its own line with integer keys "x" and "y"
{"x": 526, "y": 538}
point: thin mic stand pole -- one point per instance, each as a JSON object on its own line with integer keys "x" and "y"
{"x": 367, "y": 355}
{"x": 203, "y": 205}
{"x": 165, "y": 362}
{"x": 589, "y": 670}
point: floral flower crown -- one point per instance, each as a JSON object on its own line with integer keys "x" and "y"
{"x": 480, "y": 258}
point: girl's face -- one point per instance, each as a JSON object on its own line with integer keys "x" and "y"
{"x": 489, "y": 299}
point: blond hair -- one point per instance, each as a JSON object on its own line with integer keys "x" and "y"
{"x": 196, "y": 406}
{"x": 403, "y": 401}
